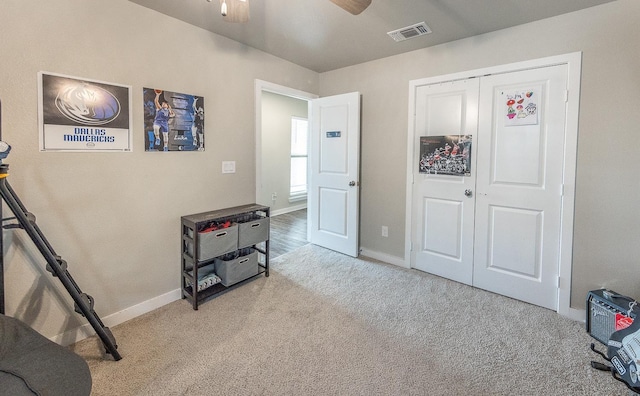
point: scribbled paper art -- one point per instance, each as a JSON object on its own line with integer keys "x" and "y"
{"x": 521, "y": 107}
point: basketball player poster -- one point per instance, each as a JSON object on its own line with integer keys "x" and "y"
{"x": 173, "y": 121}
{"x": 77, "y": 114}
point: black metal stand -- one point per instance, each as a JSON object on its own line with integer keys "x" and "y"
{"x": 55, "y": 264}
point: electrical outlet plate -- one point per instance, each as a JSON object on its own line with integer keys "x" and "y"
{"x": 385, "y": 231}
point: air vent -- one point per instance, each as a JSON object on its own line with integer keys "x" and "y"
{"x": 419, "y": 29}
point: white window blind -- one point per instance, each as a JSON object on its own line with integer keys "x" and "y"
{"x": 298, "y": 181}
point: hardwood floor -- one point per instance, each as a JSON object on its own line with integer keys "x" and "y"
{"x": 288, "y": 232}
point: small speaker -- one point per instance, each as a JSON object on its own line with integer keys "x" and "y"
{"x": 607, "y": 312}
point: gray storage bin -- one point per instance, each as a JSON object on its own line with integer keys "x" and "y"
{"x": 216, "y": 243}
{"x": 253, "y": 232}
{"x": 237, "y": 269}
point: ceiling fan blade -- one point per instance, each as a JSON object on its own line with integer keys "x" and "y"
{"x": 353, "y": 6}
{"x": 237, "y": 10}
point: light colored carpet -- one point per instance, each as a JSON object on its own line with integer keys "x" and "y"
{"x": 327, "y": 324}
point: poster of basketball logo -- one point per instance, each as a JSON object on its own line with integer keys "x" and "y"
{"x": 173, "y": 121}
{"x": 77, "y": 114}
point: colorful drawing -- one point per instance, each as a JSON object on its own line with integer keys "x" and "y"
{"x": 521, "y": 107}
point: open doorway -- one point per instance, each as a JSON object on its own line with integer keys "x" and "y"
{"x": 332, "y": 173}
{"x": 281, "y": 117}
{"x": 281, "y": 127}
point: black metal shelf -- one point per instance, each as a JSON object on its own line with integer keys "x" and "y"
{"x": 214, "y": 290}
{"x": 191, "y": 225}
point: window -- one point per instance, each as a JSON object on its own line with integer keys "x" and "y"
{"x": 298, "y": 181}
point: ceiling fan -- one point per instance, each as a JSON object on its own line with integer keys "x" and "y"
{"x": 353, "y": 6}
{"x": 238, "y": 10}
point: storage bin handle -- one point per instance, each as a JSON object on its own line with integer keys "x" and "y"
{"x": 221, "y": 234}
{"x": 255, "y": 225}
{"x": 243, "y": 261}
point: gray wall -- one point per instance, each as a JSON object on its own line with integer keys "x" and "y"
{"x": 607, "y": 218}
{"x": 116, "y": 217}
{"x": 277, "y": 111}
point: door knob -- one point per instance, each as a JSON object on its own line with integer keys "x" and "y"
{"x": 352, "y": 183}
{"x": 468, "y": 192}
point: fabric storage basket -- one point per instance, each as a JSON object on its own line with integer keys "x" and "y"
{"x": 253, "y": 232}
{"x": 233, "y": 268}
{"x": 218, "y": 242}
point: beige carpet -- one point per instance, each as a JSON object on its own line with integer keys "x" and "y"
{"x": 327, "y": 324}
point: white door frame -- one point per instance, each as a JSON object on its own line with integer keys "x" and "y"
{"x": 259, "y": 87}
{"x": 574, "y": 63}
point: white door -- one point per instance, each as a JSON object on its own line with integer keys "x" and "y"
{"x": 521, "y": 137}
{"x": 334, "y": 159}
{"x": 442, "y": 215}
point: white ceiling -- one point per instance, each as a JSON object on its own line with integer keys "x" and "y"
{"x": 320, "y": 36}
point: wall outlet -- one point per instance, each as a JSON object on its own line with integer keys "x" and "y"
{"x": 385, "y": 231}
{"x": 274, "y": 196}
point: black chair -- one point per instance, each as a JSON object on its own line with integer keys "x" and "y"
{"x": 31, "y": 364}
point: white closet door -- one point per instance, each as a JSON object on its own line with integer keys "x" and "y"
{"x": 521, "y": 138}
{"x": 443, "y": 205}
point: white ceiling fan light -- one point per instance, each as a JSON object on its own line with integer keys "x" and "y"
{"x": 223, "y": 8}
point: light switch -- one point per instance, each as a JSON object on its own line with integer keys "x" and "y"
{"x": 228, "y": 166}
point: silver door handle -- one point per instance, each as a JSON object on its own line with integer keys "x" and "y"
{"x": 352, "y": 183}
{"x": 468, "y": 192}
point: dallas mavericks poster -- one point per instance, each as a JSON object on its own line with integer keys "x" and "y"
{"x": 173, "y": 121}
{"x": 83, "y": 115}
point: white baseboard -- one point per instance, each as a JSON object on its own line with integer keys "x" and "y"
{"x": 387, "y": 258}
{"x": 80, "y": 333}
{"x": 289, "y": 209}
{"x": 579, "y": 315}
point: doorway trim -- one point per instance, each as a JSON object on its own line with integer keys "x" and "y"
{"x": 265, "y": 86}
{"x": 574, "y": 64}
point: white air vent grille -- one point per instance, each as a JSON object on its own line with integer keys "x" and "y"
{"x": 419, "y": 29}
